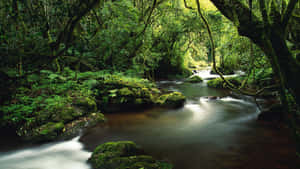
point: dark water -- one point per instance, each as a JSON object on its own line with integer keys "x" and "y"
{"x": 204, "y": 134}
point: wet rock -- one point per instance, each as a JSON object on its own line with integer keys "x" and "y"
{"x": 75, "y": 127}
{"x": 216, "y": 83}
{"x": 63, "y": 120}
{"x": 194, "y": 79}
{"x": 123, "y": 155}
{"x": 171, "y": 100}
{"x": 116, "y": 95}
{"x": 46, "y": 132}
{"x": 219, "y": 83}
{"x": 58, "y": 130}
{"x": 212, "y": 97}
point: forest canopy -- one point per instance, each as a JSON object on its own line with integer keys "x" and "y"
{"x": 154, "y": 40}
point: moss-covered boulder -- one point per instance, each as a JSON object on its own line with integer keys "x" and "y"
{"x": 74, "y": 127}
{"x": 60, "y": 130}
{"x": 121, "y": 94}
{"x": 219, "y": 83}
{"x": 46, "y": 132}
{"x": 171, "y": 100}
{"x": 194, "y": 79}
{"x": 123, "y": 155}
{"x": 62, "y": 118}
{"x": 216, "y": 83}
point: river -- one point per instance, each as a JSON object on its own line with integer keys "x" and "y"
{"x": 204, "y": 134}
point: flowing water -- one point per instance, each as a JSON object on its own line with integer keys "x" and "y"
{"x": 207, "y": 133}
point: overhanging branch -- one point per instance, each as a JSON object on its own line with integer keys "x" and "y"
{"x": 288, "y": 13}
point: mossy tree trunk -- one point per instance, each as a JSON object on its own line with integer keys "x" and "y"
{"x": 269, "y": 34}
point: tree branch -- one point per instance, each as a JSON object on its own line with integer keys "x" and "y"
{"x": 288, "y": 13}
{"x": 186, "y": 5}
{"x": 239, "y": 14}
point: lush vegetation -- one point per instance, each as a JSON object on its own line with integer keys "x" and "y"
{"x": 64, "y": 62}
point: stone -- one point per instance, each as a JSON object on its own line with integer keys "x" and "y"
{"x": 194, "y": 79}
{"x": 171, "y": 100}
{"x": 123, "y": 155}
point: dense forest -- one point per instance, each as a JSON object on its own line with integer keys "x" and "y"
{"x": 66, "y": 65}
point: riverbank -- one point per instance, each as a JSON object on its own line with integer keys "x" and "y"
{"x": 49, "y": 106}
{"x": 203, "y": 134}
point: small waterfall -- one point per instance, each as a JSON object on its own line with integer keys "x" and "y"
{"x": 206, "y": 75}
{"x": 62, "y": 155}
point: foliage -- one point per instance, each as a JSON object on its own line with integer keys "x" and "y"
{"x": 45, "y": 98}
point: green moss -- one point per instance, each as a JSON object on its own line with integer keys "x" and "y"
{"x": 126, "y": 148}
{"x": 216, "y": 83}
{"x": 172, "y": 100}
{"x": 123, "y": 155}
{"x": 96, "y": 118}
{"x": 194, "y": 79}
{"x": 119, "y": 95}
{"x": 219, "y": 83}
{"x": 75, "y": 126}
{"x": 48, "y": 131}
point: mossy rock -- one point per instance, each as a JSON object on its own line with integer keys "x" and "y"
{"x": 219, "y": 83}
{"x": 194, "y": 79}
{"x": 171, "y": 100}
{"x": 123, "y": 155}
{"x": 46, "y": 132}
{"x": 126, "y": 98}
{"x": 95, "y": 118}
{"x": 76, "y": 126}
{"x": 51, "y": 128}
{"x": 216, "y": 83}
{"x": 115, "y": 95}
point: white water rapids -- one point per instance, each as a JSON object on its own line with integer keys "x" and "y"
{"x": 61, "y": 155}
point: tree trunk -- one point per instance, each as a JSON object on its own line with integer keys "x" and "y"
{"x": 283, "y": 63}
{"x": 270, "y": 38}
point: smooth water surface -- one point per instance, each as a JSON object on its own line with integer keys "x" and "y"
{"x": 207, "y": 133}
